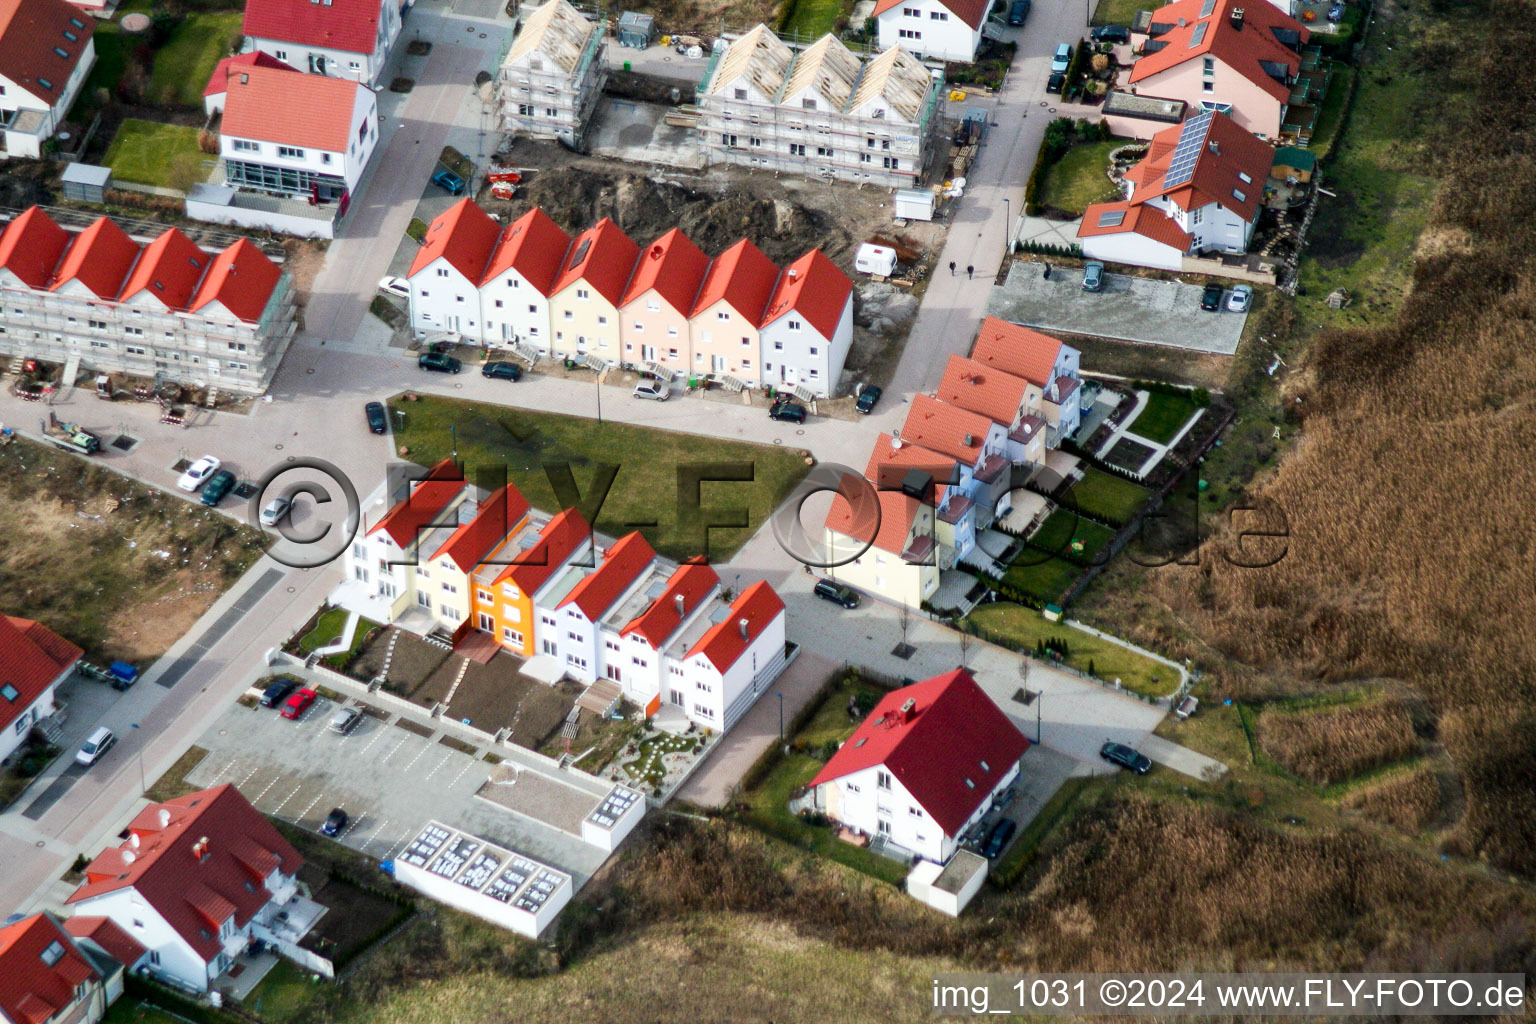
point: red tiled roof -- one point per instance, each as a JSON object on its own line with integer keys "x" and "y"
{"x": 743, "y": 277}
{"x": 943, "y": 428}
{"x": 194, "y": 894}
{"x": 622, "y": 563}
{"x": 888, "y": 464}
{"x": 813, "y": 287}
{"x": 897, "y": 512}
{"x": 981, "y": 389}
{"x": 100, "y": 257}
{"x": 562, "y": 535}
{"x": 471, "y": 542}
{"x": 348, "y": 25}
{"x": 534, "y": 246}
{"x": 969, "y": 11}
{"x": 1016, "y": 349}
{"x": 1227, "y": 151}
{"x": 1147, "y": 221}
{"x": 691, "y": 582}
{"x": 31, "y": 991}
{"x": 32, "y": 656}
{"x": 31, "y": 34}
{"x": 216, "y": 81}
{"x": 241, "y": 279}
{"x": 603, "y": 256}
{"x": 954, "y": 735}
{"x": 425, "y": 502}
{"x": 674, "y": 266}
{"x": 289, "y": 107}
{"x": 169, "y": 269}
{"x": 103, "y": 931}
{"x": 726, "y": 639}
{"x": 464, "y": 235}
{"x": 1241, "y": 49}
{"x": 31, "y": 246}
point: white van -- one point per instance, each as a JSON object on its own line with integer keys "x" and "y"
{"x": 99, "y": 743}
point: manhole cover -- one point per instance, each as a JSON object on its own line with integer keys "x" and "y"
{"x": 799, "y": 433}
{"x": 245, "y": 490}
{"x": 124, "y": 443}
{"x": 482, "y": 36}
{"x": 310, "y": 370}
{"x": 223, "y": 732}
{"x": 278, "y": 446}
{"x": 777, "y": 441}
{"x": 470, "y": 29}
{"x": 292, "y": 590}
{"x": 292, "y": 458}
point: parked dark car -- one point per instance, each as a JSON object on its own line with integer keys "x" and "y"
{"x": 998, "y": 838}
{"x": 335, "y": 822}
{"x": 867, "y": 399}
{"x": 376, "y": 420}
{"x": 1093, "y": 276}
{"x": 277, "y": 693}
{"x": 1110, "y": 34}
{"x": 1125, "y": 757}
{"x": 438, "y": 363}
{"x": 1210, "y": 299}
{"x": 502, "y": 371}
{"x": 1018, "y": 11}
{"x": 1056, "y": 81}
{"x": 836, "y": 593}
{"x": 789, "y": 412}
{"x": 449, "y": 182}
{"x": 218, "y": 487}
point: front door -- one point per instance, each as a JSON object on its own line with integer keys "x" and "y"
{"x": 717, "y": 364}
{"x": 648, "y": 353}
{"x": 487, "y": 624}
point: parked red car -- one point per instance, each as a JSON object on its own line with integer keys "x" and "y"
{"x": 294, "y": 706}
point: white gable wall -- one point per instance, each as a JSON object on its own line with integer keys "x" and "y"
{"x": 929, "y": 29}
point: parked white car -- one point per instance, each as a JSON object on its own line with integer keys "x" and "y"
{"x": 396, "y": 286}
{"x": 198, "y": 473}
{"x": 96, "y": 745}
{"x": 275, "y": 511}
{"x": 1240, "y": 299}
{"x": 652, "y": 390}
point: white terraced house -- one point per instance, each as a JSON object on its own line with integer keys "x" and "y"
{"x": 945, "y": 29}
{"x": 552, "y": 77}
{"x": 347, "y": 39}
{"x": 821, "y": 112}
{"x": 46, "y": 51}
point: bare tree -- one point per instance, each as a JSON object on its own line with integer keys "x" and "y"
{"x": 966, "y": 640}
{"x": 905, "y": 618}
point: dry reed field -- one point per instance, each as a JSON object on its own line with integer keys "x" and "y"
{"x": 1330, "y": 745}
{"x": 1409, "y": 801}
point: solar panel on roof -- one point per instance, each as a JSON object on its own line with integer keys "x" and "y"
{"x": 1112, "y": 219}
{"x": 1187, "y": 153}
{"x": 1207, "y": 7}
{"x": 1198, "y": 35}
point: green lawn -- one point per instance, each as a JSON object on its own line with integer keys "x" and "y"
{"x": 1021, "y": 627}
{"x": 183, "y": 64}
{"x": 128, "y": 1010}
{"x": 329, "y": 628}
{"x": 1120, "y": 12}
{"x": 1064, "y": 527}
{"x": 1040, "y": 575}
{"x": 1331, "y": 117}
{"x": 1080, "y": 177}
{"x": 112, "y": 49}
{"x": 1109, "y": 496}
{"x": 812, "y": 19}
{"x": 150, "y": 153}
{"x": 647, "y": 462}
{"x": 283, "y": 993}
{"x": 1162, "y": 416}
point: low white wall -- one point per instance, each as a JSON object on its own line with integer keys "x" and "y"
{"x": 236, "y": 216}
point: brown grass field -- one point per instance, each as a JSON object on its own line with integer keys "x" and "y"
{"x": 1409, "y": 801}
{"x": 1333, "y": 744}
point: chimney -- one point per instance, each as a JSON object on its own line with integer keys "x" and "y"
{"x": 133, "y": 840}
{"x": 743, "y": 623}
{"x": 969, "y": 440}
{"x": 128, "y": 857}
{"x": 200, "y": 848}
{"x": 679, "y": 600}
{"x": 165, "y": 818}
{"x": 1237, "y": 17}
{"x": 1215, "y": 149}
{"x": 909, "y": 709}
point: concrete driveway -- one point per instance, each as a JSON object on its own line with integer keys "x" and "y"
{"x": 1127, "y": 309}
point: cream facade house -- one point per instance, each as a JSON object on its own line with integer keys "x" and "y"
{"x": 584, "y": 300}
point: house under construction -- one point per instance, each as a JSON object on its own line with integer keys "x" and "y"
{"x": 553, "y": 75}
{"x": 821, "y": 112}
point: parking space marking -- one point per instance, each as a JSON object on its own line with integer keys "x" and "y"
{"x": 290, "y": 796}
{"x": 392, "y": 753}
{"x": 459, "y": 776}
{"x": 439, "y": 767}
{"x": 377, "y": 733}
{"x": 424, "y": 748}
{"x": 275, "y": 779}
{"x": 305, "y": 812}
{"x": 375, "y": 837}
{"x": 242, "y": 782}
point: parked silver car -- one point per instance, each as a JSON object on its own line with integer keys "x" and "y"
{"x": 652, "y": 390}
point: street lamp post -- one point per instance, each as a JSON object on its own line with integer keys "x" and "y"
{"x": 1039, "y": 697}
{"x": 143, "y": 788}
{"x": 1007, "y": 228}
{"x": 780, "y": 695}
{"x": 453, "y": 432}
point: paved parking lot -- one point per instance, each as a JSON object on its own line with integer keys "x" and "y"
{"x": 1128, "y": 309}
{"x": 388, "y": 777}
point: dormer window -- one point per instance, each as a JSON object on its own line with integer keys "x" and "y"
{"x": 53, "y": 954}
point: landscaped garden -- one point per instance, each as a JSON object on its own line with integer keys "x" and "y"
{"x": 1024, "y": 628}
{"x": 1163, "y": 416}
{"x": 1117, "y": 12}
{"x": 150, "y": 153}
{"x": 1109, "y": 497}
{"x": 1034, "y": 574}
{"x": 765, "y": 802}
{"x": 1080, "y": 177}
{"x": 188, "y": 56}
{"x": 645, "y": 461}
{"x": 329, "y": 627}
{"x": 1066, "y": 532}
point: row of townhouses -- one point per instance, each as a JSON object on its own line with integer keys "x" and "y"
{"x": 448, "y": 558}
{"x": 821, "y": 111}
{"x": 98, "y": 300}
{"x": 600, "y": 298}
{"x": 950, "y": 471}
